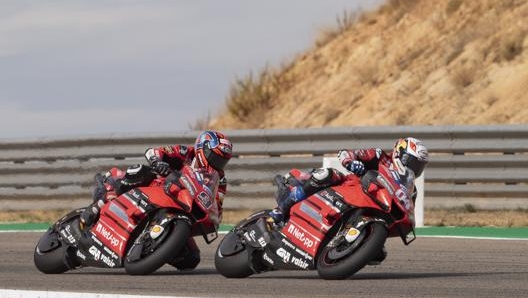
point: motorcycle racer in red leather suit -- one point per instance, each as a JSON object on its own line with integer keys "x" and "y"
{"x": 211, "y": 151}
{"x": 408, "y": 154}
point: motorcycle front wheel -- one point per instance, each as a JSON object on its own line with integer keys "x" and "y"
{"x": 157, "y": 252}
{"x": 345, "y": 259}
{"x": 50, "y": 255}
{"x": 232, "y": 258}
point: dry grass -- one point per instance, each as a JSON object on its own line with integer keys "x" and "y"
{"x": 468, "y": 49}
{"x": 252, "y": 93}
{"x": 432, "y": 217}
{"x": 344, "y": 22}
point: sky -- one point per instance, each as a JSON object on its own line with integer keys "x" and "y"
{"x": 94, "y": 67}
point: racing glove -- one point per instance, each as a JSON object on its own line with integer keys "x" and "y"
{"x": 159, "y": 166}
{"x": 357, "y": 167}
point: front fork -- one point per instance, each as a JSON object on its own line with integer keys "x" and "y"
{"x": 153, "y": 234}
{"x": 352, "y": 229}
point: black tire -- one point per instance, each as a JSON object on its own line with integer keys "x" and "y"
{"x": 52, "y": 261}
{"x": 172, "y": 244}
{"x": 189, "y": 261}
{"x": 234, "y": 265}
{"x": 346, "y": 266}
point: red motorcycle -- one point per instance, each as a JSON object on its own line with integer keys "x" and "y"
{"x": 337, "y": 231}
{"x": 140, "y": 230}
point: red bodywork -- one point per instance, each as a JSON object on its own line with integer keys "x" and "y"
{"x": 311, "y": 219}
{"x": 121, "y": 216}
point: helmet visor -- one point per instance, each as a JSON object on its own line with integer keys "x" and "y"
{"x": 413, "y": 163}
{"x": 216, "y": 161}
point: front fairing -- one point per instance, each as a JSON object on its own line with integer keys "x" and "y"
{"x": 201, "y": 189}
{"x": 400, "y": 188}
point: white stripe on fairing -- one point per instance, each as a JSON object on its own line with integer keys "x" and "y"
{"x": 6, "y": 293}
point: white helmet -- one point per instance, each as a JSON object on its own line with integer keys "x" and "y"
{"x": 410, "y": 153}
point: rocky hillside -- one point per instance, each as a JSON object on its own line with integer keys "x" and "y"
{"x": 410, "y": 62}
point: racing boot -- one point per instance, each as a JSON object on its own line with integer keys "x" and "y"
{"x": 88, "y": 216}
{"x": 278, "y": 215}
{"x": 103, "y": 192}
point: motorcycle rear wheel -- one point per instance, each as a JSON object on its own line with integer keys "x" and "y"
{"x": 172, "y": 244}
{"x": 346, "y": 266}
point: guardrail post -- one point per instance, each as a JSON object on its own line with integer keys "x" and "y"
{"x": 419, "y": 204}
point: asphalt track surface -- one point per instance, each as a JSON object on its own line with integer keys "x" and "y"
{"x": 428, "y": 267}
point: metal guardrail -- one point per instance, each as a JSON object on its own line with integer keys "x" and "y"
{"x": 485, "y": 166}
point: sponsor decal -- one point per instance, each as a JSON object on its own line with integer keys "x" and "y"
{"x": 156, "y": 231}
{"x": 107, "y": 260}
{"x": 168, "y": 149}
{"x": 339, "y": 205}
{"x": 96, "y": 240}
{"x": 304, "y": 254}
{"x": 81, "y": 255}
{"x": 107, "y": 234}
{"x": 326, "y": 195}
{"x": 395, "y": 175}
{"x": 300, "y": 235}
{"x": 246, "y": 234}
{"x": 287, "y": 257}
{"x": 143, "y": 204}
{"x": 402, "y": 196}
{"x": 267, "y": 259}
{"x": 385, "y": 184}
{"x": 98, "y": 256}
{"x": 96, "y": 253}
{"x": 297, "y": 249}
{"x": 188, "y": 185}
{"x": 352, "y": 235}
{"x": 205, "y": 199}
{"x": 110, "y": 252}
{"x": 288, "y": 243}
{"x": 262, "y": 242}
{"x": 299, "y": 263}
{"x": 284, "y": 254}
{"x": 331, "y": 198}
{"x": 66, "y": 233}
{"x": 251, "y": 236}
{"x": 139, "y": 195}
